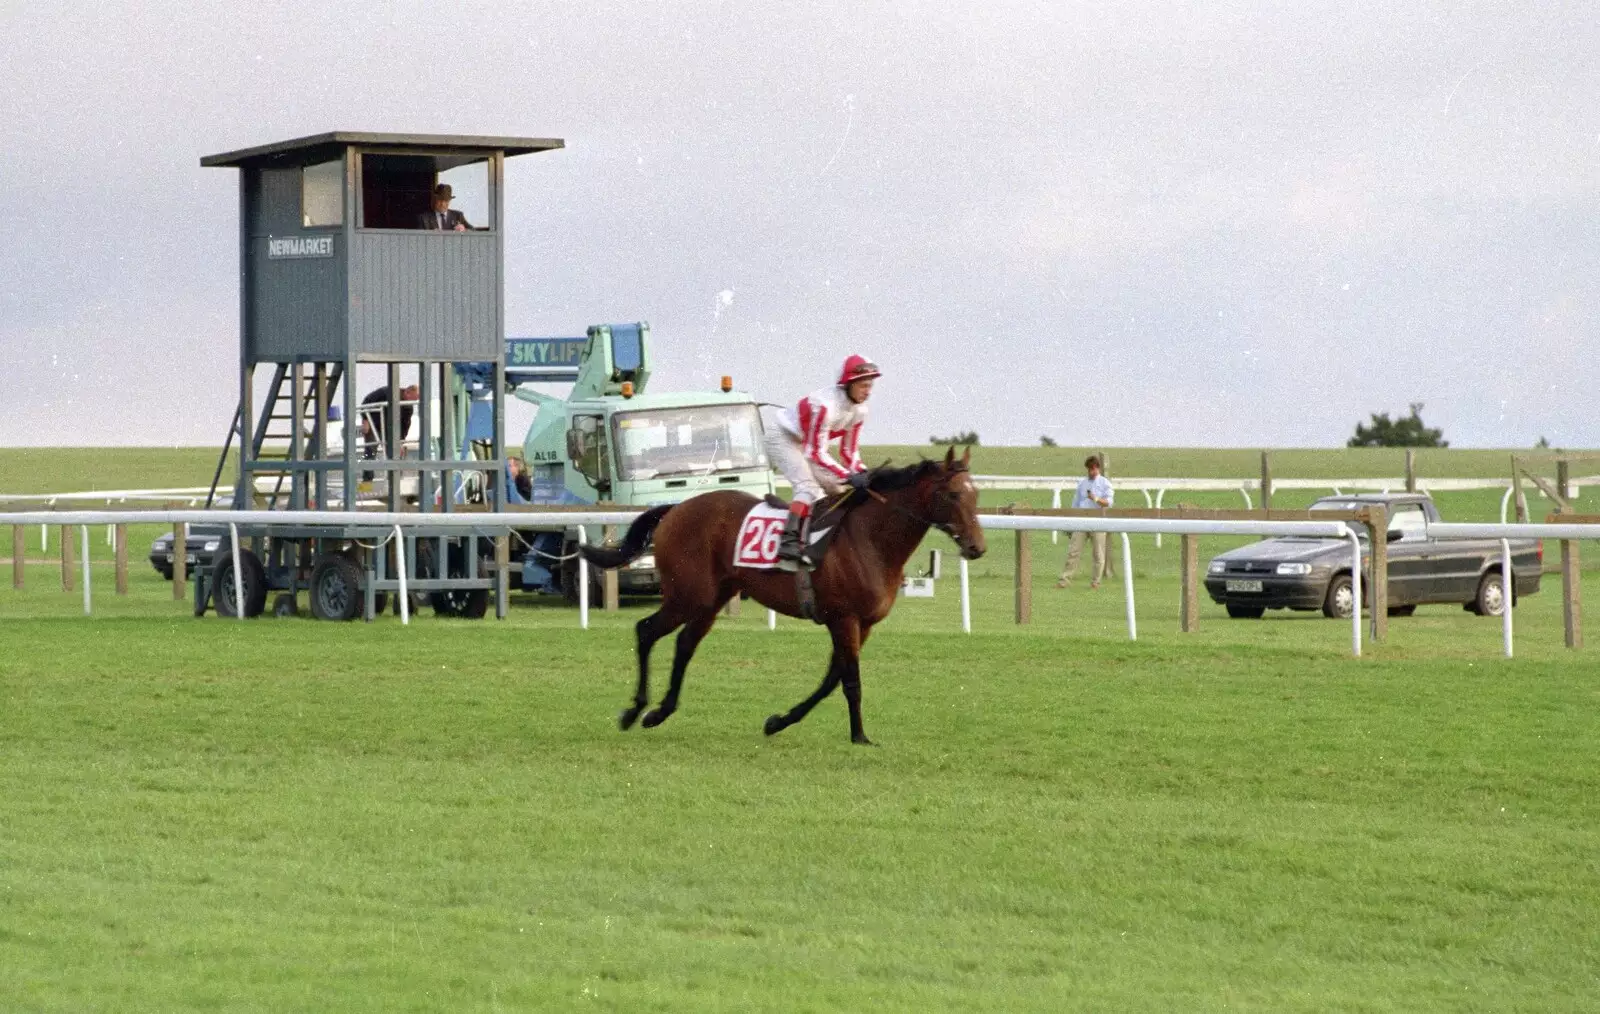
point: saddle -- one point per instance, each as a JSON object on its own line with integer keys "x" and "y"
{"x": 756, "y": 546}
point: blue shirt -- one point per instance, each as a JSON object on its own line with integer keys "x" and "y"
{"x": 1099, "y": 486}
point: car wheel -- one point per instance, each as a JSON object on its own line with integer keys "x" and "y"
{"x": 1239, "y": 612}
{"x": 336, "y": 592}
{"x": 1491, "y": 597}
{"x": 1341, "y": 598}
{"x": 253, "y": 580}
{"x": 1402, "y": 610}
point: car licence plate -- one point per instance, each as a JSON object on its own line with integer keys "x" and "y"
{"x": 1244, "y": 586}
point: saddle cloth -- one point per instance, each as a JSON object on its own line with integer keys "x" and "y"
{"x": 759, "y": 535}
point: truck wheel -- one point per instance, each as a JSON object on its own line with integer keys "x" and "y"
{"x": 336, "y": 592}
{"x": 1246, "y": 612}
{"x": 253, "y": 579}
{"x": 1341, "y": 598}
{"x": 1491, "y": 597}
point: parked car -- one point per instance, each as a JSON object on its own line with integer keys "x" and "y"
{"x": 1304, "y": 573}
{"x": 202, "y": 541}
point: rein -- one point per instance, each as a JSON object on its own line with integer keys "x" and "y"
{"x": 943, "y": 526}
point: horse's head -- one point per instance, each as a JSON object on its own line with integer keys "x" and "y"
{"x": 953, "y": 504}
{"x": 937, "y": 493}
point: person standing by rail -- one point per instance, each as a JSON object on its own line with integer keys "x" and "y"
{"x": 1094, "y": 490}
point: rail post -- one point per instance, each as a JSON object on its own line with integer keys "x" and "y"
{"x": 1024, "y": 578}
{"x": 66, "y": 558}
{"x": 1508, "y": 593}
{"x": 1266, "y": 480}
{"x": 966, "y": 599}
{"x": 180, "y": 559}
{"x": 1571, "y": 591}
{"x": 1190, "y": 596}
{"x": 83, "y": 532}
{"x": 1378, "y": 526}
{"x": 502, "y": 577}
{"x": 18, "y": 567}
{"x": 610, "y": 597}
{"x": 122, "y": 559}
{"x": 1411, "y": 470}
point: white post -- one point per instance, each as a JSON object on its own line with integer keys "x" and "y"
{"x": 1160, "y": 493}
{"x": 1355, "y": 590}
{"x": 85, "y": 530}
{"x": 583, "y": 581}
{"x": 111, "y": 538}
{"x": 1507, "y": 584}
{"x": 1055, "y": 504}
{"x": 44, "y": 538}
{"x": 1127, "y": 586}
{"x": 1505, "y": 502}
{"x": 772, "y": 619}
{"x": 1149, "y": 503}
{"x": 400, "y": 569}
{"x": 966, "y": 600}
{"x": 238, "y": 575}
{"x": 1249, "y": 505}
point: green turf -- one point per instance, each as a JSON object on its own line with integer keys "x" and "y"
{"x": 289, "y": 815}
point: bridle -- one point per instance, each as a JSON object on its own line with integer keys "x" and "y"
{"x": 943, "y": 526}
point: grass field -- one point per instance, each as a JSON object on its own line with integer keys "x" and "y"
{"x": 289, "y": 815}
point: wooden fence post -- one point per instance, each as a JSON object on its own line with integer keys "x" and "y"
{"x": 180, "y": 559}
{"x": 1190, "y": 598}
{"x": 122, "y": 559}
{"x": 1571, "y": 583}
{"x": 610, "y": 596}
{"x": 502, "y": 574}
{"x": 1266, "y": 480}
{"x": 1378, "y": 592}
{"x": 1024, "y": 579}
{"x": 17, "y": 552}
{"x": 1411, "y": 470}
{"x": 66, "y": 558}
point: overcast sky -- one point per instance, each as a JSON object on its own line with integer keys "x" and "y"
{"x": 1123, "y": 223}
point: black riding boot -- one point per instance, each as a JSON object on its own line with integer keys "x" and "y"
{"x": 792, "y": 544}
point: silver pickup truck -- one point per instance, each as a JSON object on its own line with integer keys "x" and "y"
{"x": 1310, "y": 573}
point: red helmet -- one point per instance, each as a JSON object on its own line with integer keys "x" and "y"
{"x": 858, "y": 368}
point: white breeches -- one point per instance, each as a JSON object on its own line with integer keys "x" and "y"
{"x": 810, "y": 481}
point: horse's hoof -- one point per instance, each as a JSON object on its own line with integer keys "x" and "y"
{"x": 627, "y": 718}
{"x": 862, "y": 741}
{"x": 655, "y": 718}
{"x": 774, "y": 724}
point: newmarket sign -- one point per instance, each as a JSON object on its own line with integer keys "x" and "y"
{"x": 280, "y": 248}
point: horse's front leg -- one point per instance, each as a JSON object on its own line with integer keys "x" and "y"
{"x": 778, "y": 723}
{"x": 847, "y": 637}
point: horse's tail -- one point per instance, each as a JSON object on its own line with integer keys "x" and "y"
{"x": 633, "y": 544}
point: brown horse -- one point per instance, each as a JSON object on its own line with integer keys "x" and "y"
{"x": 854, "y": 587}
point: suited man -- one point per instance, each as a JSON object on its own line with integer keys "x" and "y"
{"x": 443, "y": 217}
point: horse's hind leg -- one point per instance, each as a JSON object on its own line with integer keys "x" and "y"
{"x": 646, "y": 632}
{"x": 688, "y": 640}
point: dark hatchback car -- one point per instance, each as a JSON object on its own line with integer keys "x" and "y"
{"x": 1311, "y": 573}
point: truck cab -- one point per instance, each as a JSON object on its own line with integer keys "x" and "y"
{"x": 613, "y": 440}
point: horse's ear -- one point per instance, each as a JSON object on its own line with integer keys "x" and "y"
{"x": 950, "y": 456}
{"x": 966, "y": 456}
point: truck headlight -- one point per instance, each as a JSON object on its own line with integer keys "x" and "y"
{"x": 212, "y": 544}
{"x": 1294, "y": 568}
{"x": 1217, "y": 567}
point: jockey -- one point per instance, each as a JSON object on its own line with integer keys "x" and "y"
{"x": 798, "y": 449}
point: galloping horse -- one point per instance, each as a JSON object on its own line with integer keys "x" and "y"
{"x": 854, "y": 586}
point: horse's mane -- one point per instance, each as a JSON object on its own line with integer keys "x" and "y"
{"x": 885, "y": 479}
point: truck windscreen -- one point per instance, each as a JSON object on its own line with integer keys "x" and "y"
{"x": 688, "y": 441}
